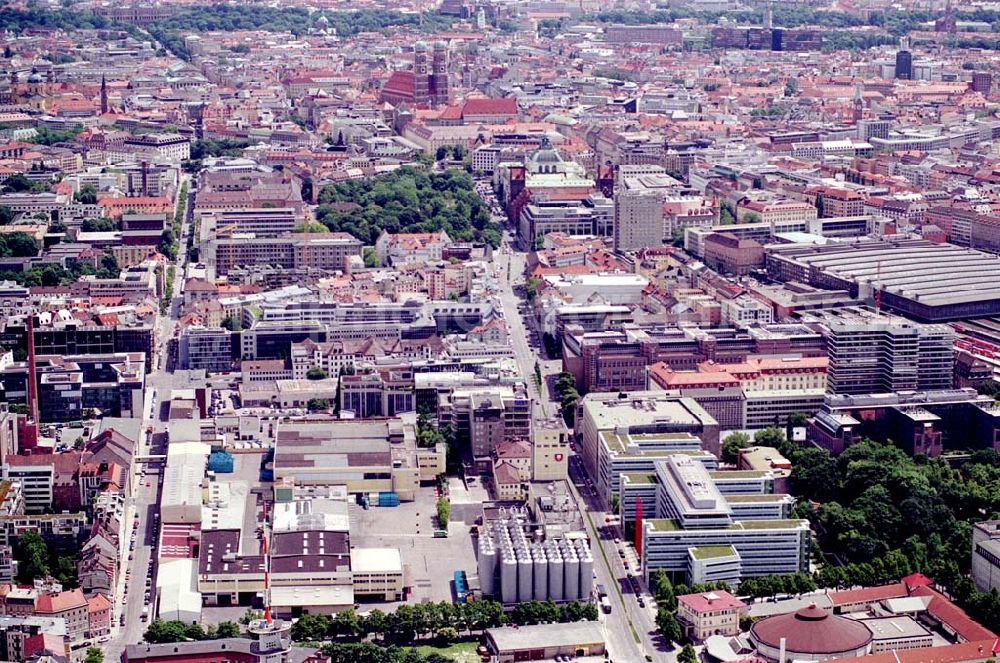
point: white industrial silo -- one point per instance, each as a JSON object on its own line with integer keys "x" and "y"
{"x": 541, "y": 572}
{"x": 571, "y": 573}
{"x": 586, "y": 568}
{"x": 508, "y": 576}
{"x": 555, "y": 572}
{"x": 525, "y": 589}
{"x": 487, "y": 565}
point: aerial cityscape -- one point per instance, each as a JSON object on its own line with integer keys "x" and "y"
{"x": 458, "y": 331}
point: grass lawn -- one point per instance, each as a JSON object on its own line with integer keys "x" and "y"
{"x": 460, "y": 652}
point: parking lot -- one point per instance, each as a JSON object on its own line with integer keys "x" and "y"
{"x": 428, "y": 562}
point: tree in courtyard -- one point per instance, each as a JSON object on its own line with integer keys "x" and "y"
{"x": 687, "y": 655}
{"x": 94, "y": 655}
{"x": 316, "y": 373}
{"x": 166, "y": 631}
{"x": 33, "y": 560}
{"x": 317, "y": 404}
{"x": 770, "y": 437}
{"x": 311, "y": 628}
{"x": 797, "y": 419}
{"x": 731, "y": 446}
{"x": 227, "y": 629}
{"x": 232, "y": 323}
{"x": 370, "y": 255}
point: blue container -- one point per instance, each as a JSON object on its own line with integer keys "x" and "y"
{"x": 220, "y": 462}
{"x": 388, "y": 498}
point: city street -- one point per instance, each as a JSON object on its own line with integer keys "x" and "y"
{"x": 130, "y": 598}
{"x": 627, "y": 621}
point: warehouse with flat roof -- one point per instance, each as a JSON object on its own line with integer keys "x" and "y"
{"x": 921, "y": 279}
{"x": 543, "y": 642}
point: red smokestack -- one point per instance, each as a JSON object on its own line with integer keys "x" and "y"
{"x": 267, "y": 569}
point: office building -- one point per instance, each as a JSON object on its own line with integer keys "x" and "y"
{"x": 623, "y": 454}
{"x": 21, "y": 635}
{"x": 692, "y": 524}
{"x": 486, "y": 416}
{"x": 643, "y": 413}
{"x": 618, "y": 359}
{"x": 325, "y": 251}
{"x": 904, "y": 62}
{"x": 729, "y": 254}
{"x": 875, "y": 353}
{"x": 380, "y": 393}
{"x": 169, "y": 147}
{"x": 639, "y": 214}
{"x": 663, "y": 35}
{"x": 409, "y": 319}
{"x": 986, "y": 555}
{"x": 206, "y": 349}
{"x": 982, "y": 81}
{"x": 274, "y": 340}
{"x": 922, "y": 422}
{"x": 262, "y": 222}
{"x": 73, "y": 338}
{"x": 592, "y": 216}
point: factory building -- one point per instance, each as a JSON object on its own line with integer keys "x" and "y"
{"x": 514, "y": 568}
{"x": 924, "y": 280}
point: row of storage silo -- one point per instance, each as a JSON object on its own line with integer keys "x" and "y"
{"x": 516, "y": 570}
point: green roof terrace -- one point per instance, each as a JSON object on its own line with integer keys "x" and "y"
{"x": 713, "y": 552}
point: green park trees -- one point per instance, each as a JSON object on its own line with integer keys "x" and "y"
{"x": 408, "y": 200}
{"x": 161, "y": 631}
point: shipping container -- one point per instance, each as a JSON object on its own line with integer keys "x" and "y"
{"x": 388, "y": 498}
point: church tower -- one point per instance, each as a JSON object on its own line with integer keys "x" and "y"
{"x": 439, "y": 91}
{"x": 104, "y": 96}
{"x": 421, "y": 75}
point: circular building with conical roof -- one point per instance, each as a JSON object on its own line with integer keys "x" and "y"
{"x": 810, "y": 634}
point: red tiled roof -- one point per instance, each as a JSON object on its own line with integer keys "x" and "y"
{"x": 868, "y": 594}
{"x": 717, "y": 600}
{"x": 960, "y": 653}
{"x": 513, "y": 449}
{"x": 502, "y": 106}
{"x": 98, "y": 603}
{"x": 60, "y": 602}
{"x": 954, "y": 617}
{"x": 915, "y": 580}
{"x": 505, "y": 473}
{"x": 451, "y": 113}
{"x": 401, "y": 82}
